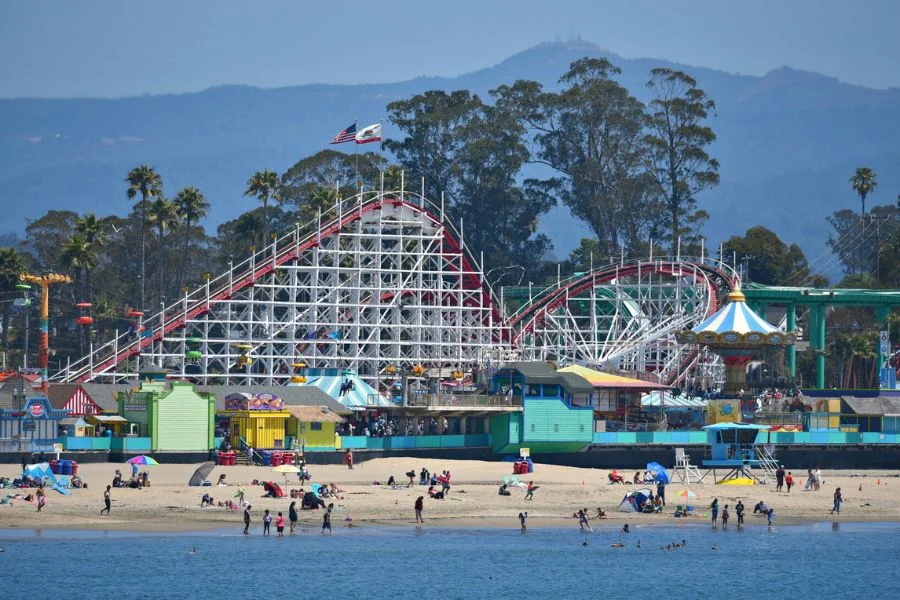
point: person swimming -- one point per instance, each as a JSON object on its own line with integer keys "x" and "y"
{"x": 625, "y": 528}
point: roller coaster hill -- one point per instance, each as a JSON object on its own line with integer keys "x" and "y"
{"x": 381, "y": 284}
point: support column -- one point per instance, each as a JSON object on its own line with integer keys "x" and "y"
{"x": 881, "y": 316}
{"x": 820, "y": 346}
{"x": 791, "y": 355}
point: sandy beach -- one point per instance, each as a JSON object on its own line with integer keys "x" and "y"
{"x": 171, "y": 505}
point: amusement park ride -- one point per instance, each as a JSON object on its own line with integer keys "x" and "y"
{"x": 383, "y": 280}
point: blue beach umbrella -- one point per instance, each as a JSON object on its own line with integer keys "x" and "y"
{"x": 659, "y": 472}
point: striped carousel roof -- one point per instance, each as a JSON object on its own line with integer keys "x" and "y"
{"x": 735, "y": 316}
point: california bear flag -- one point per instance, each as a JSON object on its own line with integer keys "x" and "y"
{"x": 372, "y": 133}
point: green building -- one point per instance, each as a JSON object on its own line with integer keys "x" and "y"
{"x": 173, "y": 415}
{"x": 557, "y": 410}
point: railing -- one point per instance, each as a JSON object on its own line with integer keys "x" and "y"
{"x": 442, "y": 400}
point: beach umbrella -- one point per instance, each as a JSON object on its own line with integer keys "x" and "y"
{"x": 201, "y": 474}
{"x": 142, "y": 460}
{"x": 285, "y": 469}
{"x": 686, "y": 494}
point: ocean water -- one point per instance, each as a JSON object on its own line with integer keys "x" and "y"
{"x": 822, "y": 560}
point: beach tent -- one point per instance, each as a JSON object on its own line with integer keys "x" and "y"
{"x": 659, "y": 472}
{"x": 39, "y": 472}
{"x": 632, "y": 500}
{"x": 201, "y": 474}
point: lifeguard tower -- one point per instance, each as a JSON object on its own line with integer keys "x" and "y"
{"x": 734, "y": 449}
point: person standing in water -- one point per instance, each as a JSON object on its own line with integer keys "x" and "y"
{"x": 522, "y": 517}
{"x": 267, "y": 522}
{"x": 326, "y": 519}
{"x": 739, "y": 511}
{"x": 292, "y": 515}
{"x": 107, "y": 500}
{"x": 279, "y": 525}
{"x": 247, "y": 520}
{"x": 419, "y": 505}
{"x": 725, "y": 517}
{"x": 715, "y": 511}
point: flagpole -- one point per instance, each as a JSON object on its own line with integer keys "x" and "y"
{"x": 356, "y": 155}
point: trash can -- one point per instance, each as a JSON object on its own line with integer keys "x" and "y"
{"x": 74, "y": 468}
{"x": 530, "y": 465}
{"x": 65, "y": 467}
{"x": 231, "y": 458}
{"x": 53, "y": 466}
{"x": 266, "y": 458}
{"x": 276, "y": 459}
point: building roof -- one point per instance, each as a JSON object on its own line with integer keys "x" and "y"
{"x": 11, "y": 386}
{"x": 331, "y": 380}
{"x": 663, "y": 398}
{"x": 305, "y": 395}
{"x": 314, "y": 414}
{"x": 534, "y": 372}
{"x": 575, "y": 383}
{"x": 539, "y": 372}
{"x": 599, "y": 379}
{"x": 105, "y": 394}
{"x": 873, "y": 406}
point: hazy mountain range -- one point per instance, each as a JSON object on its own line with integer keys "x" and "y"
{"x": 788, "y": 142}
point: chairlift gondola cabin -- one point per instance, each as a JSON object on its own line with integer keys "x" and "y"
{"x": 193, "y": 355}
{"x": 298, "y": 376}
{"x": 84, "y": 317}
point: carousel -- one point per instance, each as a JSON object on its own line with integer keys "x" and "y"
{"x": 736, "y": 333}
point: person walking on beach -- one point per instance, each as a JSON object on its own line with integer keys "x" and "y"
{"x": 715, "y": 511}
{"x": 529, "y": 493}
{"x": 292, "y": 515}
{"x": 789, "y": 481}
{"x": 779, "y": 478}
{"x": 837, "y": 502}
{"x": 809, "y": 481}
{"x": 770, "y": 516}
{"x": 661, "y": 492}
{"x": 817, "y": 478}
{"x": 41, "y": 497}
{"x": 279, "y": 525}
{"x": 107, "y": 501}
{"x": 739, "y": 511}
{"x": 419, "y": 505}
{"x": 326, "y": 519}
{"x": 267, "y": 521}
{"x": 522, "y": 517}
{"x": 348, "y": 458}
{"x": 725, "y": 517}
{"x": 247, "y": 520}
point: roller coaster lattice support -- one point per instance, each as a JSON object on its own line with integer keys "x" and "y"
{"x": 378, "y": 281}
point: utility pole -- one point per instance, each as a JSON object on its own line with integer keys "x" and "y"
{"x": 45, "y": 281}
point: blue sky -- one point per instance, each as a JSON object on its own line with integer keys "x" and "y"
{"x": 66, "y": 48}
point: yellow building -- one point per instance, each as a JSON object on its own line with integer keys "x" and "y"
{"x": 277, "y": 418}
{"x": 314, "y": 427}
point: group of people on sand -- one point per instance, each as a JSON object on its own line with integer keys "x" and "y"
{"x": 760, "y": 509}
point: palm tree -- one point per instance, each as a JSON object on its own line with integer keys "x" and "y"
{"x": 192, "y": 207}
{"x": 163, "y": 216}
{"x": 148, "y": 183}
{"x": 12, "y": 264}
{"x": 94, "y": 232}
{"x": 264, "y": 185}
{"x": 80, "y": 257}
{"x": 863, "y": 183}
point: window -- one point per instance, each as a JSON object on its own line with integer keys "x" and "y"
{"x": 534, "y": 390}
{"x": 532, "y": 428}
{"x": 315, "y": 426}
{"x": 581, "y": 428}
{"x": 556, "y": 427}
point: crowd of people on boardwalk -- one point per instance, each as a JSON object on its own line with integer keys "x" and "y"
{"x": 381, "y": 426}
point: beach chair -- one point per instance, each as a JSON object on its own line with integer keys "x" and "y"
{"x": 684, "y": 470}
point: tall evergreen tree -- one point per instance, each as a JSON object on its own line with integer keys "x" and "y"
{"x": 192, "y": 206}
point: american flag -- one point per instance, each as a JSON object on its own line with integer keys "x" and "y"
{"x": 347, "y": 135}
